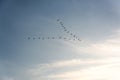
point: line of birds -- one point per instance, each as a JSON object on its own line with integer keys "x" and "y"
{"x": 74, "y": 37}
{"x": 67, "y": 31}
{"x": 50, "y": 38}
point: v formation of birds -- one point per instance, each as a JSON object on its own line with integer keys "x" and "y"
{"x": 73, "y": 36}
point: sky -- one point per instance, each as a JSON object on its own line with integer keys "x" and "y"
{"x": 95, "y": 57}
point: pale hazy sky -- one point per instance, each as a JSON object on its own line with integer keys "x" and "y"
{"x": 96, "y": 22}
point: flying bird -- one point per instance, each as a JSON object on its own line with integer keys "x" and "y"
{"x": 58, "y": 19}
{"x": 33, "y": 38}
{"x": 73, "y": 36}
{"x": 28, "y": 37}
{"x": 39, "y": 38}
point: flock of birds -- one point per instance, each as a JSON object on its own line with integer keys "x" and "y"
{"x": 73, "y": 36}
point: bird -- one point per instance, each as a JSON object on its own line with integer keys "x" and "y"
{"x": 71, "y": 34}
{"x": 64, "y": 38}
{"x": 59, "y": 37}
{"x": 58, "y": 19}
{"x": 28, "y": 37}
{"x": 79, "y": 40}
{"x": 48, "y": 37}
{"x": 53, "y": 37}
{"x": 67, "y": 31}
{"x": 33, "y": 38}
{"x": 74, "y": 36}
{"x": 39, "y": 38}
{"x": 61, "y": 23}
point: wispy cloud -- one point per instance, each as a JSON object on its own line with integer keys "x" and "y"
{"x": 103, "y": 72}
{"x": 106, "y": 67}
{"x": 108, "y": 47}
{"x": 91, "y": 67}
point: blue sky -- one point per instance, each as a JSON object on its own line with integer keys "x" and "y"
{"x": 96, "y": 23}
